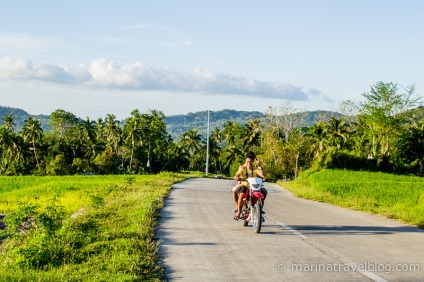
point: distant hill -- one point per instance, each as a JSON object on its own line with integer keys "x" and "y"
{"x": 177, "y": 125}
{"x": 20, "y": 116}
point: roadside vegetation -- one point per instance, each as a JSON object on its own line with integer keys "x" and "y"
{"x": 82, "y": 228}
{"x": 394, "y": 196}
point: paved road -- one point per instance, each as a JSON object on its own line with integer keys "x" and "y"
{"x": 301, "y": 240}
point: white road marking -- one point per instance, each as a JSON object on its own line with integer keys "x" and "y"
{"x": 354, "y": 267}
{"x": 370, "y": 275}
{"x": 292, "y": 230}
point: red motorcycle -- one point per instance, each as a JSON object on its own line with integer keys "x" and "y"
{"x": 252, "y": 204}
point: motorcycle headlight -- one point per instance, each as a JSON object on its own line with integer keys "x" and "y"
{"x": 256, "y": 186}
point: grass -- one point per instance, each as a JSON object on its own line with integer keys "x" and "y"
{"x": 111, "y": 239}
{"x": 393, "y": 196}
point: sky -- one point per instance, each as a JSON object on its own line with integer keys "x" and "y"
{"x": 94, "y": 58}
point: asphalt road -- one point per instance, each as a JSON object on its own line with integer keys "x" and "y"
{"x": 300, "y": 240}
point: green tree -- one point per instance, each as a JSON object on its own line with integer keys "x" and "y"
{"x": 337, "y": 133}
{"x": 252, "y": 134}
{"x": 88, "y": 130}
{"x": 33, "y": 132}
{"x": 113, "y": 133}
{"x": 60, "y": 121}
{"x": 318, "y": 142}
{"x": 132, "y": 131}
{"x": 179, "y": 158}
{"x": 9, "y": 123}
{"x": 191, "y": 141}
{"x": 383, "y": 115}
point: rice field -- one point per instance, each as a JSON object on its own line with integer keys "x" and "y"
{"x": 394, "y": 196}
{"x": 84, "y": 228}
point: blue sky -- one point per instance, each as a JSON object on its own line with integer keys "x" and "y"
{"x": 92, "y": 58}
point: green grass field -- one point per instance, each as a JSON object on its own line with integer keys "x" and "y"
{"x": 393, "y": 196}
{"x": 109, "y": 240}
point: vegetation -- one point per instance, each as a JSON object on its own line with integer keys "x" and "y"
{"x": 382, "y": 133}
{"x": 98, "y": 224}
{"x": 394, "y": 196}
{"x": 82, "y": 228}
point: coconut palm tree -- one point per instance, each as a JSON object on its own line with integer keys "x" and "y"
{"x": 132, "y": 132}
{"x": 337, "y": 132}
{"x": 191, "y": 141}
{"x": 252, "y": 134}
{"x": 229, "y": 133}
{"x": 88, "y": 130}
{"x": 317, "y": 134}
{"x": 32, "y": 131}
{"x": 113, "y": 133}
{"x": 178, "y": 157}
{"x": 8, "y": 123}
{"x": 217, "y": 135}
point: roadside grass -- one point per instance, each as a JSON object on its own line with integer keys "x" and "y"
{"x": 82, "y": 228}
{"x": 393, "y": 196}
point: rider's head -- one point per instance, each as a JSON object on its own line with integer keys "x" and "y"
{"x": 249, "y": 159}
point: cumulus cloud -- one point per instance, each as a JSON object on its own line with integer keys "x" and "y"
{"x": 137, "y": 76}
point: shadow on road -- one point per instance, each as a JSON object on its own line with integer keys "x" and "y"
{"x": 353, "y": 230}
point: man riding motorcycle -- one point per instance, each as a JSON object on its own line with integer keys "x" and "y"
{"x": 245, "y": 171}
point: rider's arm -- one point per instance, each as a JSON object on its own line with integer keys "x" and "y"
{"x": 260, "y": 171}
{"x": 238, "y": 174}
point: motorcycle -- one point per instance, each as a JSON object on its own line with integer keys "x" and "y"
{"x": 252, "y": 204}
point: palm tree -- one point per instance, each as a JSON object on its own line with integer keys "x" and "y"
{"x": 32, "y": 131}
{"x": 133, "y": 133}
{"x": 191, "y": 141}
{"x": 178, "y": 157}
{"x": 318, "y": 139}
{"x": 231, "y": 155}
{"x": 8, "y": 123}
{"x": 88, "y": 129}
{"x": 252, "y": 134}
{"x": 100, "y": 130}
{"x": 217, "y": 135}
{"x": 229, "y": 133}
{"x": 337, "y": 132}
{"x": 113, "y": 133}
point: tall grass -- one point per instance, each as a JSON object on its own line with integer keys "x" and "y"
{"x": 394, "y": 196}
{"x": 110, "y": 239}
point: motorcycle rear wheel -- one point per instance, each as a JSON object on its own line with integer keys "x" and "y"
{"x": 244, "y": 222}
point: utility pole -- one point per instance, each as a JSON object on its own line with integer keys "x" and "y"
{"x": 207, "y": 146}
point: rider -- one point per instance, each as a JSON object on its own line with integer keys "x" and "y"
{"x": 245, "y": 171}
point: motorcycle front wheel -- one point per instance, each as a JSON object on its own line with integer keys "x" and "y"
{"x": 257, "y": 216}
{"x": 244, "y": 221}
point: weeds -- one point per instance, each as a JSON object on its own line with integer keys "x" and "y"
{"x": 111, "y": 240}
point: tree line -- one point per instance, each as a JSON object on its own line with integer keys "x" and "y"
{"x": 382, "y": 133}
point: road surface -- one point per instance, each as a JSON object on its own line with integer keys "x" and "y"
{"x": 301, "y": 240}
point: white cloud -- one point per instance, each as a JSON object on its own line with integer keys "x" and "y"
{"x": 137, "y": 76}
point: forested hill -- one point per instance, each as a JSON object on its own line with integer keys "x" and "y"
{"x": 20, "y": 116}
{"x": 176, "y": 124}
